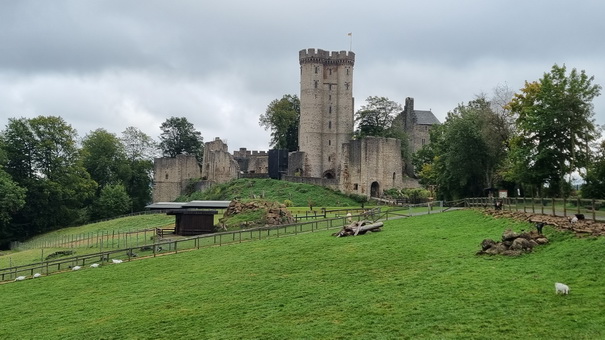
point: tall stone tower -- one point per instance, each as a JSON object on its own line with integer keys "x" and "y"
{"x": 326, "y": 110}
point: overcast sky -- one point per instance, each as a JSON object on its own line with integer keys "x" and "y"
{"x": 117, "y": 63}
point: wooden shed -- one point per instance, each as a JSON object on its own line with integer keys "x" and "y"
{"x": 193, "y": 222}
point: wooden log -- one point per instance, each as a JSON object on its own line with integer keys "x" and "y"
{"x": 356, "y": 228}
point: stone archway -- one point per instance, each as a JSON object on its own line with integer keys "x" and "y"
{"x": 375, "y": 189}
{"x": 328, "y": 174}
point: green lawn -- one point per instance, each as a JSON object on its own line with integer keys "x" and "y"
{"x": 417, "y": 279}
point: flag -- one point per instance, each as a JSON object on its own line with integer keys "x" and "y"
{"x": 350, "y": 34}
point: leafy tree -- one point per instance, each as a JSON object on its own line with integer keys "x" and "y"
{"x": 138, "y": 145}
{"x": 282, "y": 118}
{"x": 376, "y": 118}
{"x": 104, "y": 157}
{"x": 466, "y": 153}
{"x": 180, "y": 137}
{"x": 113, "y": 201}
{"x": 595, "y": 176}
{"x": 554, "y": 128}
{"x": 12, "y": 199}
{"x": 140, "y": 151}
{"x": 42, "y": 158}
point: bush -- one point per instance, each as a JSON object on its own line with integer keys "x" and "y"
{"x": 288, "y": 203}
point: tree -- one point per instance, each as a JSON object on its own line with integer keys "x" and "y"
{"x": 466, "y": 152}
{"x": 180, "y": 137}
{"x": 554, "y": 128}
{"x": 140, "y": 151}
{"x": 595, "y": 176}
{"x": 113, "y": 201}
{"x": 42, "y": 158}
{"x": 138, "y": 145}
{"x": 376, "y": 118}
{"x": 282, "y": 118}
{"x": 104, "y": 157}
{"x": 12, "y": 199}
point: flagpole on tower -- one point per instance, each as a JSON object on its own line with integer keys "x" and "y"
{"x": 350, "y": 34}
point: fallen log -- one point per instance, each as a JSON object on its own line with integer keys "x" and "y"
{"x": 359, "y": 228}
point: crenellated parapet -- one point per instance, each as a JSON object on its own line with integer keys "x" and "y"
{"x": 312, "y": 55}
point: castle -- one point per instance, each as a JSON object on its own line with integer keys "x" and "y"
{"x": 327, "y": 153}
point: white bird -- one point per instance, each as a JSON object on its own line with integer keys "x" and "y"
{"x": 76, "y": 268}
{"x": 20, "y": 278}
{"x": 94, "y": 265}
{"x": 37, "y": 275}
{"x": 116, "y": 261}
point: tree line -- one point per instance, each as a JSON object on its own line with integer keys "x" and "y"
{"x": 50, "y": 178}
{"x": 533, "y": 142}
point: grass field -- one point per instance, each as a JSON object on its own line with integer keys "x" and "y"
{"x": 417, "y": 279}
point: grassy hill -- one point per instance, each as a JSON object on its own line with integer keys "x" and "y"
{"x": 419, "y": 278}
{"x": 299, "y": 194}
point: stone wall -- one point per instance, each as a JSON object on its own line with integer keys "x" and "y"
{"x": 324, "y": 182}
{"x": 326, "y": 109}
{"x": 218, "y": 164}
{"x": 373, "y": 165}
{"x": 172, "y": 176}
{"x": 256, "y": 162}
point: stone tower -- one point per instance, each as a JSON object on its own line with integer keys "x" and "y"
{"x": 326, "y": 110}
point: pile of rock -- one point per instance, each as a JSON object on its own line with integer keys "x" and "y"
{"x": 580, "y": 227}
{"x": 274, "y": 213}
{"x": 513, "y": 244}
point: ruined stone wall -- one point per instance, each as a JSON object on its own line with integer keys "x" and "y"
{"x": 326, "y": 109}
{"x": 329, "y": 183}
{"x": 218, "y": 165}
{"x": 172, "y": 176}
{"x": 256, "y": 162}
{"x": 373, "y": 165}
{"x": 420, "y": 137}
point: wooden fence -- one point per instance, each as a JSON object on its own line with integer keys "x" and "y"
{"x": 209, "y": 240}
{"x": 565, "y": 207}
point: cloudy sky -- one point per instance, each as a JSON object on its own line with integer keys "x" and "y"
{"x": 117, "y": 63}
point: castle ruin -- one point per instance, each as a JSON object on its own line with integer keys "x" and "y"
{"x": 327, "y": 154}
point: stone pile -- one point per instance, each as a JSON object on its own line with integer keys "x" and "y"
{"x": 513, "y": 244}
{"x": 274, "y": 213}
{"x": 582, "y": 227}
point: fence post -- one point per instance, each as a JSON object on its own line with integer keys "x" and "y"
{"x": 554, "y": 213}
{"x": 578, "y": 205}
{"x": 594, "y": 216}
{"x": 564, "y": 207}
{"x": 524, "y": 207}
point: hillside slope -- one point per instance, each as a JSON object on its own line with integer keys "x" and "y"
{"x": 300, "y": 194}
{"x": 419, "y": 278}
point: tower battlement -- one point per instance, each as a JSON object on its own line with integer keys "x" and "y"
{"x": 313, "y": 55}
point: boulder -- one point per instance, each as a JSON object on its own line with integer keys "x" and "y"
{"x": 509, "y": 235}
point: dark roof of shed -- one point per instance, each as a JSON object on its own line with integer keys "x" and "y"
{"x": 191, "y": 212}
{"x": 190, "y": 205}
{"x": 424, "y": 117}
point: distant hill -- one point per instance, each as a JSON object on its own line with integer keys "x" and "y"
{"x": 298, "y": 193}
